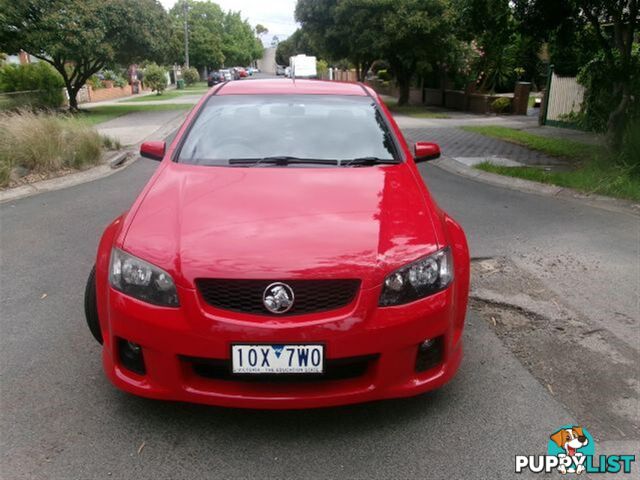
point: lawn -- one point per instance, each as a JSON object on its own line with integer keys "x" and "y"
{"x": 414, "y": 111}
{"x": 196, "y": 87}
{"x": 594, "y": 168}
{"x": 171, "y": 94}
{"x": 97, "y": 115}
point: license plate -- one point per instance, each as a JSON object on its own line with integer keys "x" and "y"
{"x": 277, "y": 358}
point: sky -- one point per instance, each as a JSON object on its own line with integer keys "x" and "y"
{"x": 276, "y": 15}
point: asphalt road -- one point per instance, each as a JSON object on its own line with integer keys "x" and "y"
{"x": 61, "y": 419}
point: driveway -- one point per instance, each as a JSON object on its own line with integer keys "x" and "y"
{"x": 61, "y": 418}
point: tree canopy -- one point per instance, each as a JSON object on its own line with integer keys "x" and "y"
{"x": 491, "y": 42}
{"x": 206, "y": 33}
{"x": 240, "y": 45}
{"x": 80, "y": 37}
{"x": 216, "y": 38}
{"x": 407, "y": 34}
{"x": 297, "y": 43}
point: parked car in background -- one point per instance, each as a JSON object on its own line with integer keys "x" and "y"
{"x": 279, "y": 70}
{"x": 242, "y": 73}
{"x": 215, "y": 78}
{"x": 227, "y": 75}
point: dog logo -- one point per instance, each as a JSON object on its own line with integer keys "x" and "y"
{"x": 571, "y": 450}
{"x": 278, "y": 298}
{"x": 571, "y": 440}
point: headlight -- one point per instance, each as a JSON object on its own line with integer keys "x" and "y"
{"x": 141, "y": 280}
{"x": 419, "y": 279}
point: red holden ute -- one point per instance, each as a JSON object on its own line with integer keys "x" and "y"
{"x": 285, "y": 254}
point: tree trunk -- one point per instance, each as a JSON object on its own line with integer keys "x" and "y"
{"x": 73, "y": 98}
{"x": 363, "y": 70}
{"x": 618, "y": 120}
{"x": 403, "y": 85}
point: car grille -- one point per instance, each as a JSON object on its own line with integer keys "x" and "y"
{"x": 245, "y": 296}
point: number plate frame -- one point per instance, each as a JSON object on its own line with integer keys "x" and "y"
{"x": 232, "y": 366}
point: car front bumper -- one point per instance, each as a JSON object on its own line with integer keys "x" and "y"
{"x": 384, "y": 340}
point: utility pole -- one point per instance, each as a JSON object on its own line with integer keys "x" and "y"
{"x": 185, "y": 10}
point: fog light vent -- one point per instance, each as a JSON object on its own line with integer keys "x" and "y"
{"x": 429, "y": 354}
{"x": 131, "y": 356}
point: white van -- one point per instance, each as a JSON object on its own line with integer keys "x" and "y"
{"x": 303, "y": 66}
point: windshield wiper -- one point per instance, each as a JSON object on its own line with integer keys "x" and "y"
{"x": 366, "y": 161}
{"x": 281, "y": 160}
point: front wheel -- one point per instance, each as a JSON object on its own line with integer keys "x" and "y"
{"x": 91, "y": 307}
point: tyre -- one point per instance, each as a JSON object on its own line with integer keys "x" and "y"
{"x": 91, "y": 306}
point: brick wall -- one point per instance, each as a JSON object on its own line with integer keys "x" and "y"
{"x": 112, "y": 93}
{"x": 88, "y": 94}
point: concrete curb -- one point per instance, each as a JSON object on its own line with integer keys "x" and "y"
{"x": 598, "y": 201}
{"x": 112, "y": 164}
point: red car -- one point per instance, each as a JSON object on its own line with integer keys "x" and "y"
{"x": 285, "y": 254}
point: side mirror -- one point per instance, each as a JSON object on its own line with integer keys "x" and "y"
{"x": 425, "y": 151}
{"x": 152, "y": 150}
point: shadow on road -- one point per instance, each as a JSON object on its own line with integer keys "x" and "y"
{"x": 195, "y": 418}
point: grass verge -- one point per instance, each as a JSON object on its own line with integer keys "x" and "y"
{"x": 595, "y": 176}
{"x": 595, "y": 169}
{"x": 97, "y": 115}
{"x": 196, "y": 87}
{"x": 46, "y": 143}
{"x": 414, "y": 111}
{"x": 165, "y": 96}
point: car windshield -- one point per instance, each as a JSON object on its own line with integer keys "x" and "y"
{"x": 300, "y": 127}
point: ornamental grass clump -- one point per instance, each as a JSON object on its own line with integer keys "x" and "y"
{"x": 45, "y": 143}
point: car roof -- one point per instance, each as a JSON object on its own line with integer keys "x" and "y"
{"x": 291, "y": 87}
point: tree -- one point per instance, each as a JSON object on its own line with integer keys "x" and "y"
{"x": 80, "y": 37}
{"x": 615, "y": 24}
{"x": 206, "y": 33}
{"x": 407, "y": 34}
{"x": 341, "y": 30}
{"x": 491, "y": 25}
{"x": 261, "y": 30}
{"x": 297, "y": 43}
{"x": 595, "y": 38}
{"x": 240, "y": 46}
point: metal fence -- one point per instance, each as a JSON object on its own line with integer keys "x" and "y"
{"x": 563, "y": 99}
{"x": 9, "y": 100}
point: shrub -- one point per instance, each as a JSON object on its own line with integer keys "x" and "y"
{"x": 155, "y": 77}
{"x": 117, "y": 79}
{"x": 120, "y": 82}
{"x": 601, "y": 98}
{"x": 322, "y": 67}
{"x": 111, "y": 143}
{"x": 190, "y": 75}
{"x": 501, "y": 105}
{"x": 95, "y": 82}
{"x": 42, "y": 84}
{"x": 42, "y": 142}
